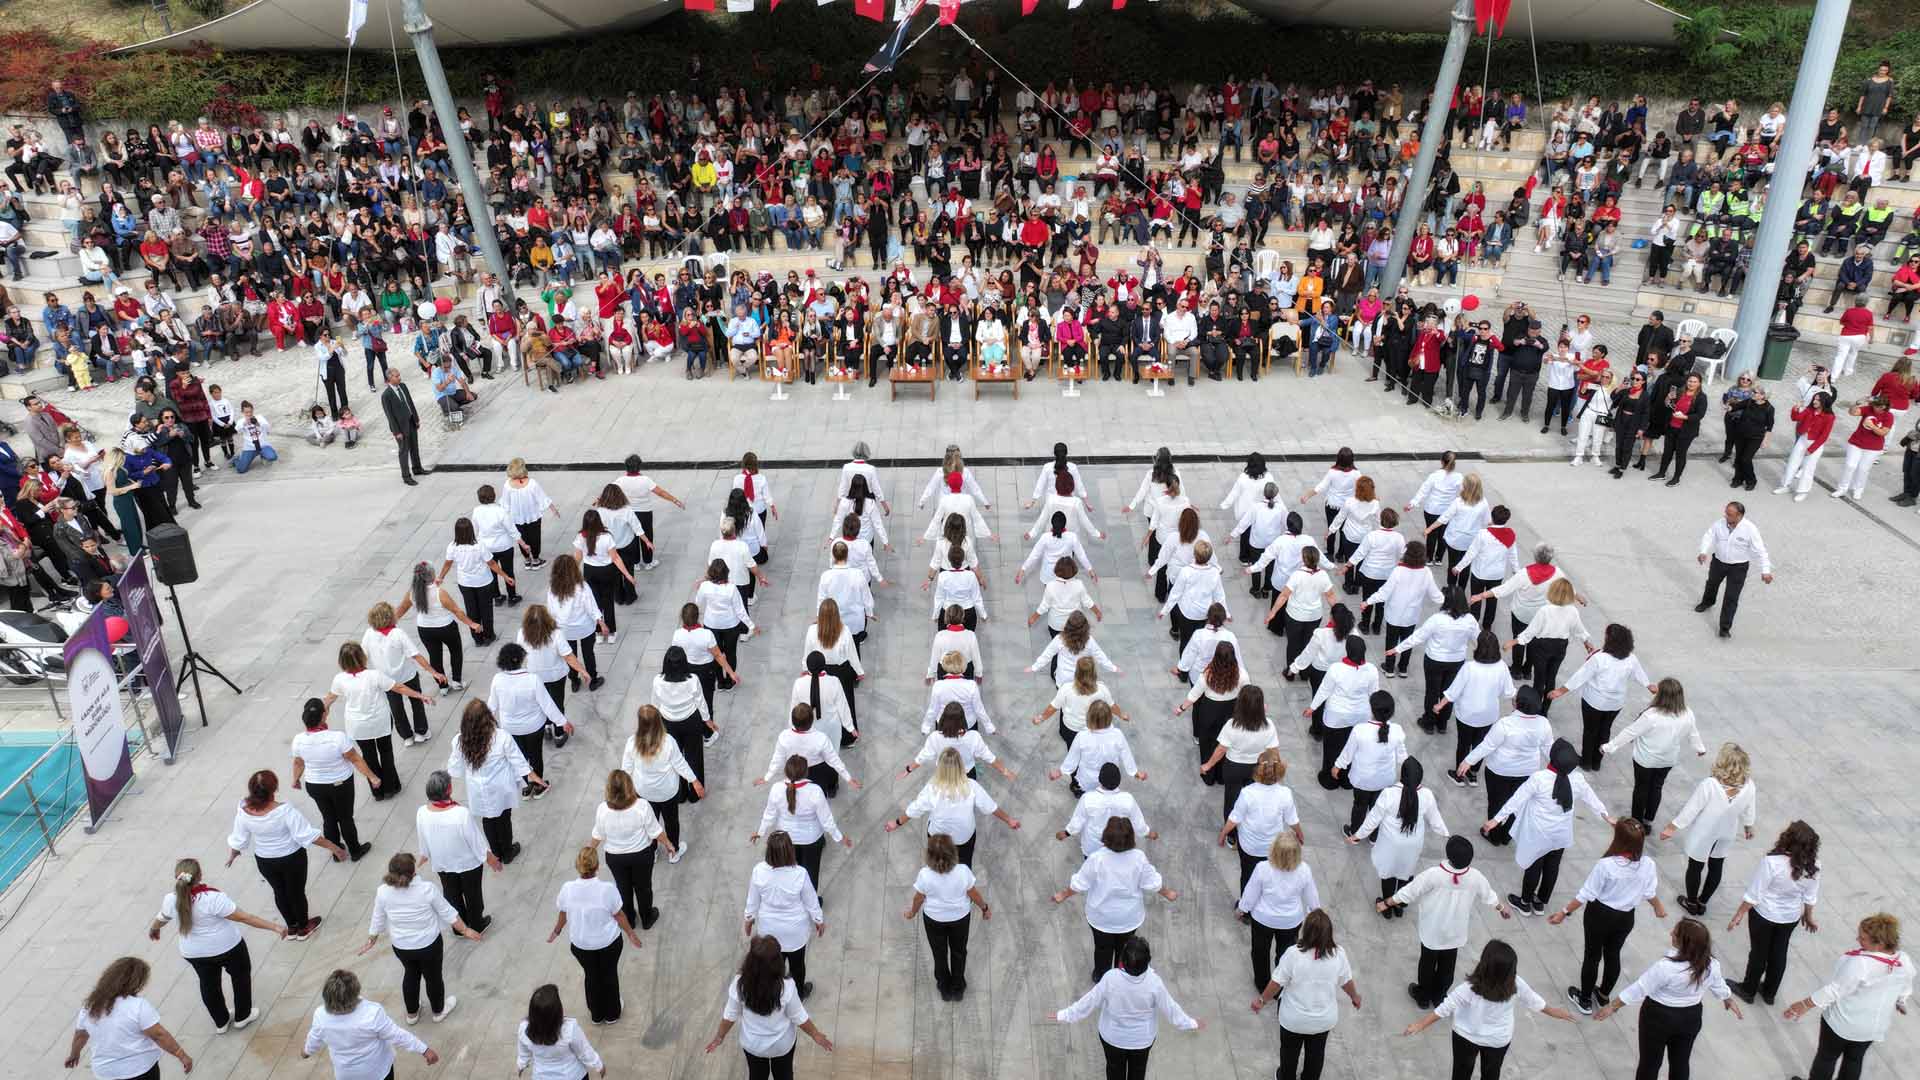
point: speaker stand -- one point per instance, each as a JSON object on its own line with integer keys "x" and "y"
{"x": 192, "y": 664}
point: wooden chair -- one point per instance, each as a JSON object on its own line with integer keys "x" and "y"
{"x": 927, "y": 375}
{"x": 1011, "y": 375}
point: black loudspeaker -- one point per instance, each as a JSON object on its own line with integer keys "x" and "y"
{"x": 172, "y": 551}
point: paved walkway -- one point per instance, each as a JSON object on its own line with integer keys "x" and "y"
{"x": 293, "y": 556}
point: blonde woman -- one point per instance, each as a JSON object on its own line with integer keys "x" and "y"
{"x": 1721, "y": 806}
{"x": 1462, "y": 520}
{"x": 527, "y": 503}
{"x": 1072, "y": 699}
{"x": 626, "y": 826}
{"x": 591, "y": 914}
{"x": 211, "y": 943}
{"x": 1275, "y": 901}
{"x": 949, "y": 802}
{"x": 1099, "y": 744}
{"x": 394, "y": 654}
{"x": 412, "y": 912}
{"x": 658, "y": 769}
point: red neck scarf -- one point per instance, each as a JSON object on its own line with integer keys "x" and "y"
{"x": 1539, "y": 573}
{"x": 1456, "y": 875}
{"x": 440, "y": 805}
{"x": 747, "y": 487}
{"x": 384, "y": 630}
{"x": 1890, "y": 961}
{"x": 197, "y": 890}
{"x": 1505, "y": 535}
{"x": 956, "y": 627}
{"x": 1349, "y": 661}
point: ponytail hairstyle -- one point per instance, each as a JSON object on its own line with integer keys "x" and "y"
{"x": 422, "y": 582}
{"x": 1310, "y": 559}
{"x": 1057, "y": 524}
{"x": 1216, "y": 615}
{"x": 1356, "y": 647}
{"x": 1693, "y": 946}
{"x": 400, "y": 870}
{"x": 1563, "y": 759}
{"x": 313, "y": 714}
{"x": 856, "y": 494}
{"x": 1271, "y": 493}
{"x": 816, "y": 669}
{"x": 1411, "y": 775}
{"x": 186, "y": 874}
{"x": 1295, "y": 523}
{"x": 261, "y": 787}
{"x": 1062, "y": 482}
{"x": 1381, "y": 703}
{"x": 957, "y": 555}
{"x": 795, "y": 771}
{"x": 954, "y": 532}
{"x": 1060, "y": 459}
{"x": 1446, "y": 461}
{"x": 689, "y": 615}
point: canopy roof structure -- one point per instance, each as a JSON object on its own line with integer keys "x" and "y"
{"x": 321, "y": 25}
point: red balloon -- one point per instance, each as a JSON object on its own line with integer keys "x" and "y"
{"x": 1469, "y": 302}
{"x": 443, "y": 305}
{"x": 116, "y": 629}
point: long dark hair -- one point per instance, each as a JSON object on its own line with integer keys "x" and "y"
{"x": 545, "y": 1017}
{"x": 1801, "y": 845}
{"x": 476, "y": 732}
{"x": 1223, "y": 669}
{"x": 125, "y": 977}
{"x": 422, "y": 581}
{"x": 1693, "y": 946}
{"x": 1250, "y": 708}
{"x": 1486, "y": 648}
{"x": 591, "y": 529}
{"x": 1629, "y": 840}
{"x": 1494, "y": 978}
{"x": 816, "y": 669}
{"x": 1411, "y": 774}
{"x": 1256, "y": 465}
{"x": 673, "y": 667}
{"x": 857, "y": 494}
{"x": 1316, "y": 933}
{"x": 1455, "y": 602}
{"x": 1563, "y": 759}
{"x": 763, "y": 976}
{"x": 795, "y": 772}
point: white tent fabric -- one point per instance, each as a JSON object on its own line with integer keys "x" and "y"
{"x": 321, "y": 24}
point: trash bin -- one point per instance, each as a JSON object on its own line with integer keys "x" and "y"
{"x": 1777, "y": 351}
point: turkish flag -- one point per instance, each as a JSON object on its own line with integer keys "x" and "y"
{"x": 1119, "y": 5}
{"x": 1027, "y": 6}
{"x": 871, "y": 9}
{"x": 1494, "y": 11}
{"x": 949, "y": 11}
{"x": 697, "y": 5}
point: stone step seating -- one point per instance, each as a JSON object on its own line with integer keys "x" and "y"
{"x": 1679, "y": 304}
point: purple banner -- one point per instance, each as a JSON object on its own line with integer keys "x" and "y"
{"x": 142, "y": 604}
{"x": 99, "y": 727}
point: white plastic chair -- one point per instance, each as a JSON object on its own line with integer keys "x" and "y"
{"x": 1718, "y": 365}
{"x": 720, "y": 263}
{"x": 1690, "y": 328}
{"x": 1266, "y": 262}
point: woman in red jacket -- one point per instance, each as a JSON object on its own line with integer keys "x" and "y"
{"x": 1897, "y": 386}
{"x": 1812, "y": 425}
{"x": 190, "y": 394}
{"x": 1678, "y": 418}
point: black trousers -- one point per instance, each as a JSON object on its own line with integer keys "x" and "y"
{"x": 600, "y": 969}
{"x": 1536, "y": 881}
{"x": 397, "y": 708}
{"x": 379, "y": 757}
{"x": 1499, "y": 790}
{"x": 1647, "y": 785}
{"x": 1125, "y": 1064}
{"x": 530, "y": 534}
{"x": 443, "y": 648}
{"x": 583, "y": 648}
{"x": 688, "y": 735}
{"x": 1487, "y": 609}
{"x": 1313, "y": 1048}
{"x": 1703, "y": 878}
{"x": 335, "y": 803}
{"x": 463, "y": 893}
{"x": 948, "y": 940}
{"x": 774, "y": 1068}
{"x": 1106, "y": 949}
{"x": 407, "y": 446}
{"x": 1735, "y": 577}
{"x": 287, "y": 876}
{"x": 1521, "y": 662}
{"x": 1673, "y": 451}
{"x": 533, "y": 747}
{"x": 797, "y": 966}
{"x": 1466, "y": 737}
{"x": 1249, "y": 862}
{"x": 1438, "y": 675}
{"x": 501, "y": 590}
{"x": 1467, "y": 1054}
{"x": 479, "y": 605}
{"x": 1363, "y": 801}
{"x": 1268, "y": 944}
{"x": 808, "y": 856}
{"x": 1234, "y": 777}
{"x": 1667, "y": 1031}
{"x": 605, "y": 581}
{"x": 1434, "y": 975}
{"x": 1596, "y": 727}
{"x": 1544, "y": 657}
{"x": 633, "y": 875}
{"x": 728, "y": 638}
{"x": 238, "y": 967}
{"x": 1605, "y": 930}
{"x": 1399, "y": 662}
{"x": 1767, "y": 954}
{"x": 422, "y": 965}
{"x": 669, "y": 814}
{"x": 499, "y": 833}
{"x": 1833, "y": 1051}
{"x": 1744, "y": 448}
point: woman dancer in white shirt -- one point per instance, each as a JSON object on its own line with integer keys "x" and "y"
{"x": 1722, "y": 806}
{"x": 1274, "y": 902}
{"x": 1869, "y": 984}
{"x": 1056, "y": 543}
{"x": 660, "y": 772}
{"x": 412, "y": 913}
{"x": 1249, "y": 496}
{"x": 279, "y": 835}
{"x": 821, "y": 692}
{"x": 1371, "y": 758}
{"x": 493, "y": 528}
{"x": 837, "y": 647}
{"x": 1238, "y": 745}
{"x": 763, "y": 1000}
{"x": 799, "y": 808}
{"x": 1438, "y": 490}
{"x": 1131, "y": 999}
{"x": 1313, "y": 970}
{"x": 1482, "y": 1010}
{"x": 449, "y": 836}
{"x": 724, "y": 613}
{"x": 356, "y": 1033}
{"x": 602, "y": 566}
{"x": 368, "y": 718}
{"x": 949, "y": 802}
{"x": 1548, "y": 634}
{"x": 1072, "y": 699}
{"x": 1474, "y": 697}
{"x": 392, "y": 653}
{"x": 1462, "y": 520}
{"x": 437, "y": 618}
{"x": 944, "y": 893}
{"x": 1617, "y": 885}
{"x": 1444, "y": 639}
{"x": 527, "y": 502}
{"x": 1337, "y": 485}
{"x": 1356, "y": 518}
{"x": 576, "y": 612}
{"x": 1396, "y": 603}
{"x": 1656, "y": 735}
{"x": 1342, "y": 702}
{"x": 1263, "y": 809}
{"x": 1542, "y": 811}
{"x": 1781, "y": 895}
{"x": 325, "y": 761}
{"x": 123, "y": 1027}
{"x": 211, "y": 943}
{"x": 625, "y": 824}
{"x": 496, "y": 773}
{"x": 1116, "y": 879}
{"x": 1073, "y": 644}
{"x": 951, "y": 730}
{"x": 1515, "y": 748}
{"x": 552, "y": 1041}
{"x": 1163, "y": 529}
{"x": 1305, "y": 598}
{"x": 1669, "y": 995}
{"x": 1067, "y": 497}
{"x": 781, "y": 901}
{"x": 629, "y": 537}
{"x": 1094, "y": 747}
{"x": 591, "y": 915}
{"x": 1602, "y": 681}
{"x": 1399, "y": 820}
{"x": 475, "y": 571}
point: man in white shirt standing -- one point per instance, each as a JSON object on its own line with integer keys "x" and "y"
{"x": 1732, "y": 544}
{"x": 1182, "y": 335}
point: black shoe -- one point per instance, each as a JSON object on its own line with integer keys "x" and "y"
{"x": 560, "y": 737}
{"x": 410, "y": 481}
{"x": 596, "y": 682}
{"x": 1413, "y": 991}
{"x": 512, "y": 852}
{"x": 806, "y": 990}
{"x": 1726, "y": 631}
{"x": 1659, "y": 474}
{"x": 1704, "y": 605}
{"x": 356, "y": 854}
{"x": 1615, "y": 473}
{"x": 1740, "y": 991}
{"x": 193, "y": 504}
{"x": 1582, "y": 1004}
{"x": 1520, "y": 904}
{"x": 649, "y": 917}
{"x": 481, "y": 926}
{"x": 1674, "y": 482}
{"x": 1641, "y": 464}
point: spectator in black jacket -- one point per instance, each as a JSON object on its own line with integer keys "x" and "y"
{"x": 1749, "y": 424}
{"x": 1655, "y": 336}
{"x": 1521, "y": 365}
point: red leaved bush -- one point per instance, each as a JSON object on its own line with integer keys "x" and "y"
{"x": 30, "y": 59}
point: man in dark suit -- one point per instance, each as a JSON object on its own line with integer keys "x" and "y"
{"x": 1143, "y": 335}
{"x": 404, "y": 421}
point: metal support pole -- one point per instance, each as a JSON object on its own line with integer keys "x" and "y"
{"x": 420, "y": 29}
{"x": 1433, "y": 137}
{"x": 1775, "y": 235}
{"x": 38, "y": 817}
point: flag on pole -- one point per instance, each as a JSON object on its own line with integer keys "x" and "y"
{"x": 1491, "y": 11}
{"x": 356, "y": 18}
{"x": 889, "y": 53}
{"x": 871, "y": 9}
{"x": 1027, "y": 6}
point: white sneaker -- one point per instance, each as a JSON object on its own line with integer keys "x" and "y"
{"x": 1840, "y": 494}
{"x": 247, "y": 1019}
{"x": 413, "y": 1018}
{"x": 612, "y": 636}
{"x": 1800, "y": 497}
{"x": 678, "y": 851}
{"x": 1575, "y": 463}
{"x": 1781, "y": 490}
{"x": 442, "y": 1014}
{"x": 456, "y": 684}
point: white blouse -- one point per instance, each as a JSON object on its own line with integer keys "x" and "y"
{"x": 781, "y": 903}
{"x": 1260, "y": 814}
{"x": 1620, "y": 883}
{"x": 946, "y": 894}
{"x": 1477, "y": 691}
{"x": 1097, "y": 807}
{"x": 624, "y": 832}
{"x": 1129, "y": 1006}
{"x": 1448, "y": 638}
{"x": 1279, "y": 899}
{"x": 493, "y": 786}
{"x": 766, "y": 1035}
{"x": 275, "y": 834}
{"x": 525, "y": 503}
{"x": 1092, "y": 749}
{"x": 569, "y": 1057}
{"x": 1405, "y": 593}
{"x": 1487, "y": 1023}
{"x": 1712, "y": 819}
{"x": 1604, "y": 678}
{"x": 1116, "y": 884}
{"x": 657, "y": 778}
{"x": 325, "y": 753}
{"x": 212, "y": 932}
{"x": 810, "y": 819}
{"x": 952, "y": 815}
{"x": 1776, "y": 895}
{"x": 411, "y": 915}
{"x": 450, "y": 839}
{"x": 1310, "y": 1003}
{"x": 1371, "y": 763}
